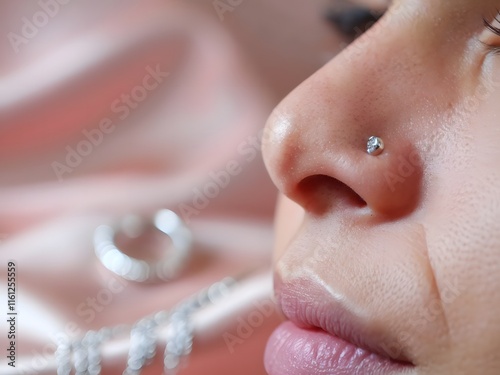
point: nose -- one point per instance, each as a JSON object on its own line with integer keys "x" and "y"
{"x": 315, "y": 141}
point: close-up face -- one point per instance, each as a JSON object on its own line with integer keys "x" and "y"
{"x": 389, "y": 262}
{"x": 386, "y": 157}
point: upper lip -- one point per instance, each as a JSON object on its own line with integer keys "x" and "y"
{"x": 308, "y": 305}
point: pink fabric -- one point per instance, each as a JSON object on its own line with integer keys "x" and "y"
{"x": 75, "y": 153}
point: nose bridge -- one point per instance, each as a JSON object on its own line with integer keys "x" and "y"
{"x": 322, "y": 128}
{"x": 331, "y": 114}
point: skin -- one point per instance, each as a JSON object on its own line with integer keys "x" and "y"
{"x": 410, "y": 238}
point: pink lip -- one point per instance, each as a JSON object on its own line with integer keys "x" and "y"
{"x": 323, "y": 337}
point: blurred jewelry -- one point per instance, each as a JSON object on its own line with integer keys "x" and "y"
{"x": 84, "y": 354}
{"x": 80, "y": 357}
{"x": 179, "y": 341}
{"x": 92, "y": 341}
{"x": 375, "y": 146}
{"x": 179, "y": 333}
{"x": 143, "y": 337}
{"x": 167, "y": 268}
{"x": 142, "y": 346}
{"x": 63, "y": 357}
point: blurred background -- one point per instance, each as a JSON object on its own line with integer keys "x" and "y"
{"x": 115, "y": 107}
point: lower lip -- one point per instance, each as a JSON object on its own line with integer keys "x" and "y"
{"x": 296, "y": 351}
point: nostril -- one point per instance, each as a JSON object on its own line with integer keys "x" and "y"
{"x": 319, "y": 194}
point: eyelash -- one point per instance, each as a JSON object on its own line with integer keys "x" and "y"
{"x": 495, "y": 30}
{"x": 489, "y": 24}
{"x": 353, "y": 22}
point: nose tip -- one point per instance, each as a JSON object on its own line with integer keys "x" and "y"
{"x": 326, "y": 167}
{"x": 276, "y": 148}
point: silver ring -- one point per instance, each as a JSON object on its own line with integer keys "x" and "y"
{"x": 375, "y": 146}
{"x": 123, "y": 265}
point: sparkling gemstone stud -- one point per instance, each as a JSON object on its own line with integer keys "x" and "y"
{"x": 374, "y": 146}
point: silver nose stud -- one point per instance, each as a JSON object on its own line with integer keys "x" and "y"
{"x": 374, "y": 146}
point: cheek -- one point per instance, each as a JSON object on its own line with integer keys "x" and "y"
{"x": 463, "y": 227}
{"x": 464, "y": 248}
{"x": 289, "y": 217}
